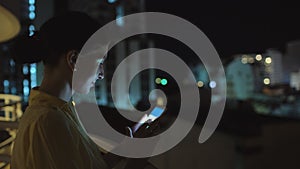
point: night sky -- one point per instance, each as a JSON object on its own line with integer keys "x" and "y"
{"x": 238, "y": 26}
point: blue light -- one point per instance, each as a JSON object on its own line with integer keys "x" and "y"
{"x": 25, "y": 82}
{"x": 212, "y": 84}
{"x": 31, "y": 2}
{"x": 33, "y": 69}
{"x": 31, "y": 28}
{"x": 33, "y": 84}
{"x": 25, "y": 70}
{"x": 31, "y": 8}
{"x": 164, "y": 82}
{"x": 12, "y": 63}
{"x": 33, "y": 78}
{"x": 120, "y": 14}
{"x": 26, "y": 90}
{"x": 112, "y": 1}
{"x": 120, "y": 21}
{"x": 13, "y": 90}
{"x": 31, "y": 33}
{"x": 6, "y": 83}
{"x": 31, "y": 15}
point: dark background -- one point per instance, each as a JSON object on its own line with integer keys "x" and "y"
{"x": 236, "y": 26}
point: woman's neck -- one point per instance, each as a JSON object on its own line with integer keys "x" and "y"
{"x": 57, "y": 86}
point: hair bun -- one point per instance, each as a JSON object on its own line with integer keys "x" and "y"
{"x": 27, "y": 49}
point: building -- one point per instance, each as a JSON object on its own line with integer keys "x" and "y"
{"x": 295, "y": 80}
{"x": 273, "y": 66}
{"x": 291, "y": 61}
{"x": 18, "y": 79}
{"x": 240, "y": 79}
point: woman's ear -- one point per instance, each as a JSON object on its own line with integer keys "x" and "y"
{"x": 71, "y": 59}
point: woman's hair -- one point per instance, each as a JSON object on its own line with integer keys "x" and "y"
{"x": 57, "y": 36}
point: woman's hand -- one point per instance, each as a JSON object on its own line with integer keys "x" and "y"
{"x": 147, "y": 129}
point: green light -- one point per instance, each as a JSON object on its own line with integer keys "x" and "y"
{"x": 164, "y": 82}
{"x": 157, "y": 80}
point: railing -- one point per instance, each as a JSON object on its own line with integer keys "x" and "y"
{"x": 11, "y": 109}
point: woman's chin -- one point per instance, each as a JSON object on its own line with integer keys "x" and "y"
{"x": 83, "y": 90}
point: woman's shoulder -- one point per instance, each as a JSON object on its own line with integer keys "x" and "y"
{"x": 41, "y": 115}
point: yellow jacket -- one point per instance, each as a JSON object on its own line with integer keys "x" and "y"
{"x": 50, "y": 136}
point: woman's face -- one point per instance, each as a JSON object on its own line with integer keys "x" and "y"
{"x": 88, "y": 71}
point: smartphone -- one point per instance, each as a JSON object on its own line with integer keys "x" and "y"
{"x": 155, "y": 113}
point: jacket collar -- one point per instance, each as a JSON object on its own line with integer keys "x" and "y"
{"x": 38, "y": 97}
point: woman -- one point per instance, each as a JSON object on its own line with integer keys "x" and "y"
{"x": 50, "y": 134}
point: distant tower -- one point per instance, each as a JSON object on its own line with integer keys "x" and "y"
{"x": 240, "y": 79}
{"x": 291, "y": 62}
{"x": 295, "y": 80}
